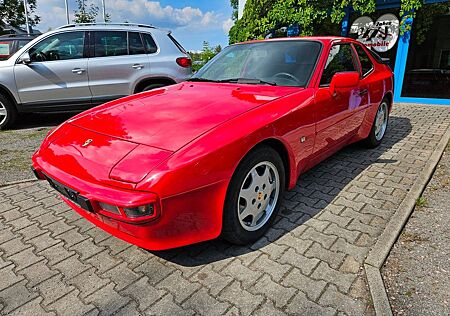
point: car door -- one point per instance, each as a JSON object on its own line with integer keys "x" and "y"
{"x": 334, "y": 111}
{"x": 57, "y": 72}
{"x": 114, "y": 65}
{"x": 366, "y": 85}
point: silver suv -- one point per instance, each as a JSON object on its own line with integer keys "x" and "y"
{"x": 78, "y": 66}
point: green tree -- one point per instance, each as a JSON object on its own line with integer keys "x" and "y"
{"x": 235, "y": 8}
{"x": 86, "y": 13}
{"x": 12, "y": 13}
{"x": 199, "y": 59}
{"x": 312, "y": 16}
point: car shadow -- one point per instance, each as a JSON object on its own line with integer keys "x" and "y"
{"x": 34, "y": 120}
{"x": 335, "y": 172}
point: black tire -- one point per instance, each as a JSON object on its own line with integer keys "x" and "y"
{"x": 373, "y": 140}
{"x": 152, "y": 86}
{"x": 232, "y": 229}
{"x": 6, "y": 106}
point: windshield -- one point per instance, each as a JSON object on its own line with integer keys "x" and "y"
{"x": 281, "y": 63}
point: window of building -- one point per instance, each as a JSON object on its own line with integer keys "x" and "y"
{"x": 427, "y": 73}
{"x": 340, "y": 59}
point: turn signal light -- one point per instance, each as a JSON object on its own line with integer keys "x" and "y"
{"x": 109, "y": 208}
{"x": 184, "y": 62}
{"x": 140, "y": 211}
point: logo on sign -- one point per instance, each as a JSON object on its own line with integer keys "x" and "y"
{"x": 381, "y": 35}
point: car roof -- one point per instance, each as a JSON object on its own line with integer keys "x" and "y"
{"x": 111, "y": 26}
{"x": 323, "y": 39}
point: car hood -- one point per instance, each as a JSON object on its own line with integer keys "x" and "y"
{"x": 171, "y": 117}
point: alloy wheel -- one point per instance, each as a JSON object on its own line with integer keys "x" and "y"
{"x": 3, "y": 113}
{"x": 381, "y": 120}
{"x": 258, "y": 196}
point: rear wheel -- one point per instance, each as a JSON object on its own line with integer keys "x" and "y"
{"x": 253, "y": 197}
{"x": 8, "y": 113}
{"x": 379, "y": 125}
{"x": 153, "y": 86}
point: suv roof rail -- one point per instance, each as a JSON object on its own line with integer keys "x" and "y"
{"x": 106, "y": 24}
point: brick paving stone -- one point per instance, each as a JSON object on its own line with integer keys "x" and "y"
{"x": 8, "y": 277}
{"x": 37, "y": 273}
{"x": 167, "y": 306}
{"x": 305, "y": 264}
{"x": 312, "y": 288}
{"x": 344, "y": 303}
{"x": 212, "y": 280}
{"x": 205, "y": 304}
{"x": 342, "y": 280}
{"x": 107, "y": 300}
{"x": 241, "y": 298}
{"x": 70, "y": 304}
{"x": 54, "y": 261}
{"x": 279, "y": 294}
{"x": 16, "y": 295}
{"x": 143, "y": 293}
{"x": 300, "y": 305}
{"x": 121, "y": 275}
{"x": 88, "y": 282}
{"x": 275, "y": 269}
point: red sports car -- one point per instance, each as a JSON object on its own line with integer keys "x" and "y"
{"x": 212, "y": 156}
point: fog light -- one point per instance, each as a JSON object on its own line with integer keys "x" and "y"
{"x": 109, "y": 208}
{"x": 140, "y": 211}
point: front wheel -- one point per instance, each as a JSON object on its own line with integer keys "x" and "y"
{"x": 253, "y": 196}
{"x": 379, "y": 125}
{"x": 8, "y": 113}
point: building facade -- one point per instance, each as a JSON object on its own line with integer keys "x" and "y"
{"x": 418, "y": 49}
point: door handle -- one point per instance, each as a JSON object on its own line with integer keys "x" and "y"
{"x": 138, "y": 66}
{"x": 363, "y": 92}
{"x": 78, "y": 71}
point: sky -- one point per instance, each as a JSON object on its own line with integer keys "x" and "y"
{"x": 191, "y": 22}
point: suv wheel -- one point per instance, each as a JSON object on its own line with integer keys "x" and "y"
{"x": 8, "y": 113}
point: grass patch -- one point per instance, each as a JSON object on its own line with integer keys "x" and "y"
{"x": 421, "y": 201}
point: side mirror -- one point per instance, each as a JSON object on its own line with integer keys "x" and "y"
{"x": 343, "y": 80}
{"x": 24, "y": 59}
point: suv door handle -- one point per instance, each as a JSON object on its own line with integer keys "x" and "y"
{"x": 78, "y": 71}
{"x": 138, "y": 66}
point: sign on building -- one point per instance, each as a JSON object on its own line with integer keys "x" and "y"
{"x": 381, "y": 35}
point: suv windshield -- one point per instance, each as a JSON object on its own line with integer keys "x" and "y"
{"x": 281, "y": 63}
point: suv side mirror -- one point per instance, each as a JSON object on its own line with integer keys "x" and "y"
{"x": 24, "y": 59}
{"x": 342, "y": 80}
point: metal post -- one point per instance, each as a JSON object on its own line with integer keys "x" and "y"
{"x": 104, "y": 11}
{"x": 67, "y": 11}
{"x": 27, "y": 23}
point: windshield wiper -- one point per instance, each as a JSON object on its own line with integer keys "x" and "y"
{"x": 195, "y": 79}
{"x": 248, "y": 81}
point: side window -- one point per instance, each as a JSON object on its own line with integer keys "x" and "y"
{"x": 22, "y": 43}
{"x": 112, "y": 43}
{"x": 149, "y": 43}
{"x": 366, "y": 63}
{"x": 62, "y": 46}
{"x": 135, "y": 45}
{"x": 340, "y": 59}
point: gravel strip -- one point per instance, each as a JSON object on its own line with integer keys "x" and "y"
{"x": 416, "y": 273}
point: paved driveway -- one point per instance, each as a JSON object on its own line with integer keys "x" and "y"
{"x": 310, "y": 263}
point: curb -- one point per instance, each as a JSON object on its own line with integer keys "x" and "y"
{"x": 380, "y": 251}
{"x": 17, "y": 182}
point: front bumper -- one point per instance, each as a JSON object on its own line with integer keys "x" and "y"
{"x": 183, "y": 219}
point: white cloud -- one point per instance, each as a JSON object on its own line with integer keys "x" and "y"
{"x": 227, "y": 25}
